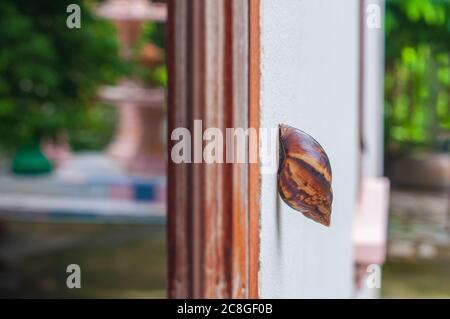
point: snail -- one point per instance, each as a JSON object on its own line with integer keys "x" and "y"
{"x": 304, "y": 175}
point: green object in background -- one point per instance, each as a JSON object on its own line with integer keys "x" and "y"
{"x": 29, "y": 160}
{"x": 417, "y": 77}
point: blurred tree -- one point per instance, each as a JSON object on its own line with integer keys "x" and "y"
{"x": 49, "y": 74}
{"x": 154, "y": 33}
{"x": 417, "y": 80}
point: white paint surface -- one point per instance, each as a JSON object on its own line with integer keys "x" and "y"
{"x": 371, "y": 219}
{"x": 309, "y": 80}
{"x": 373, "y": 96}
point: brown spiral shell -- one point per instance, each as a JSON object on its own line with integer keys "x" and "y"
{"x": 304, "y": 175}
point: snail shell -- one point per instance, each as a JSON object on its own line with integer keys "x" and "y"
{"x": 304, "y": 175}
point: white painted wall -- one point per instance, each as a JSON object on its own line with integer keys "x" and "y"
{"x": 371, "y": 220}
{"x": 309, "y": 80}
{"x": 373, "y": 95}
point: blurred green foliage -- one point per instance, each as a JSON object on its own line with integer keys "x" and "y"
{"x": 156, "y": 33}
{"x": 49, "y": 74}
{"x": 152, "y": 32}
{"x": 417, "y": 79}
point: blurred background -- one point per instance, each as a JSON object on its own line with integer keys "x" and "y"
{"x": 82, "y": 165}
{"x": 82, "y": 152}
{"x": 417, "y": 147}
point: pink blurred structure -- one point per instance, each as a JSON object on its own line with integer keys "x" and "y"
{"x": 137, "y": 144}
